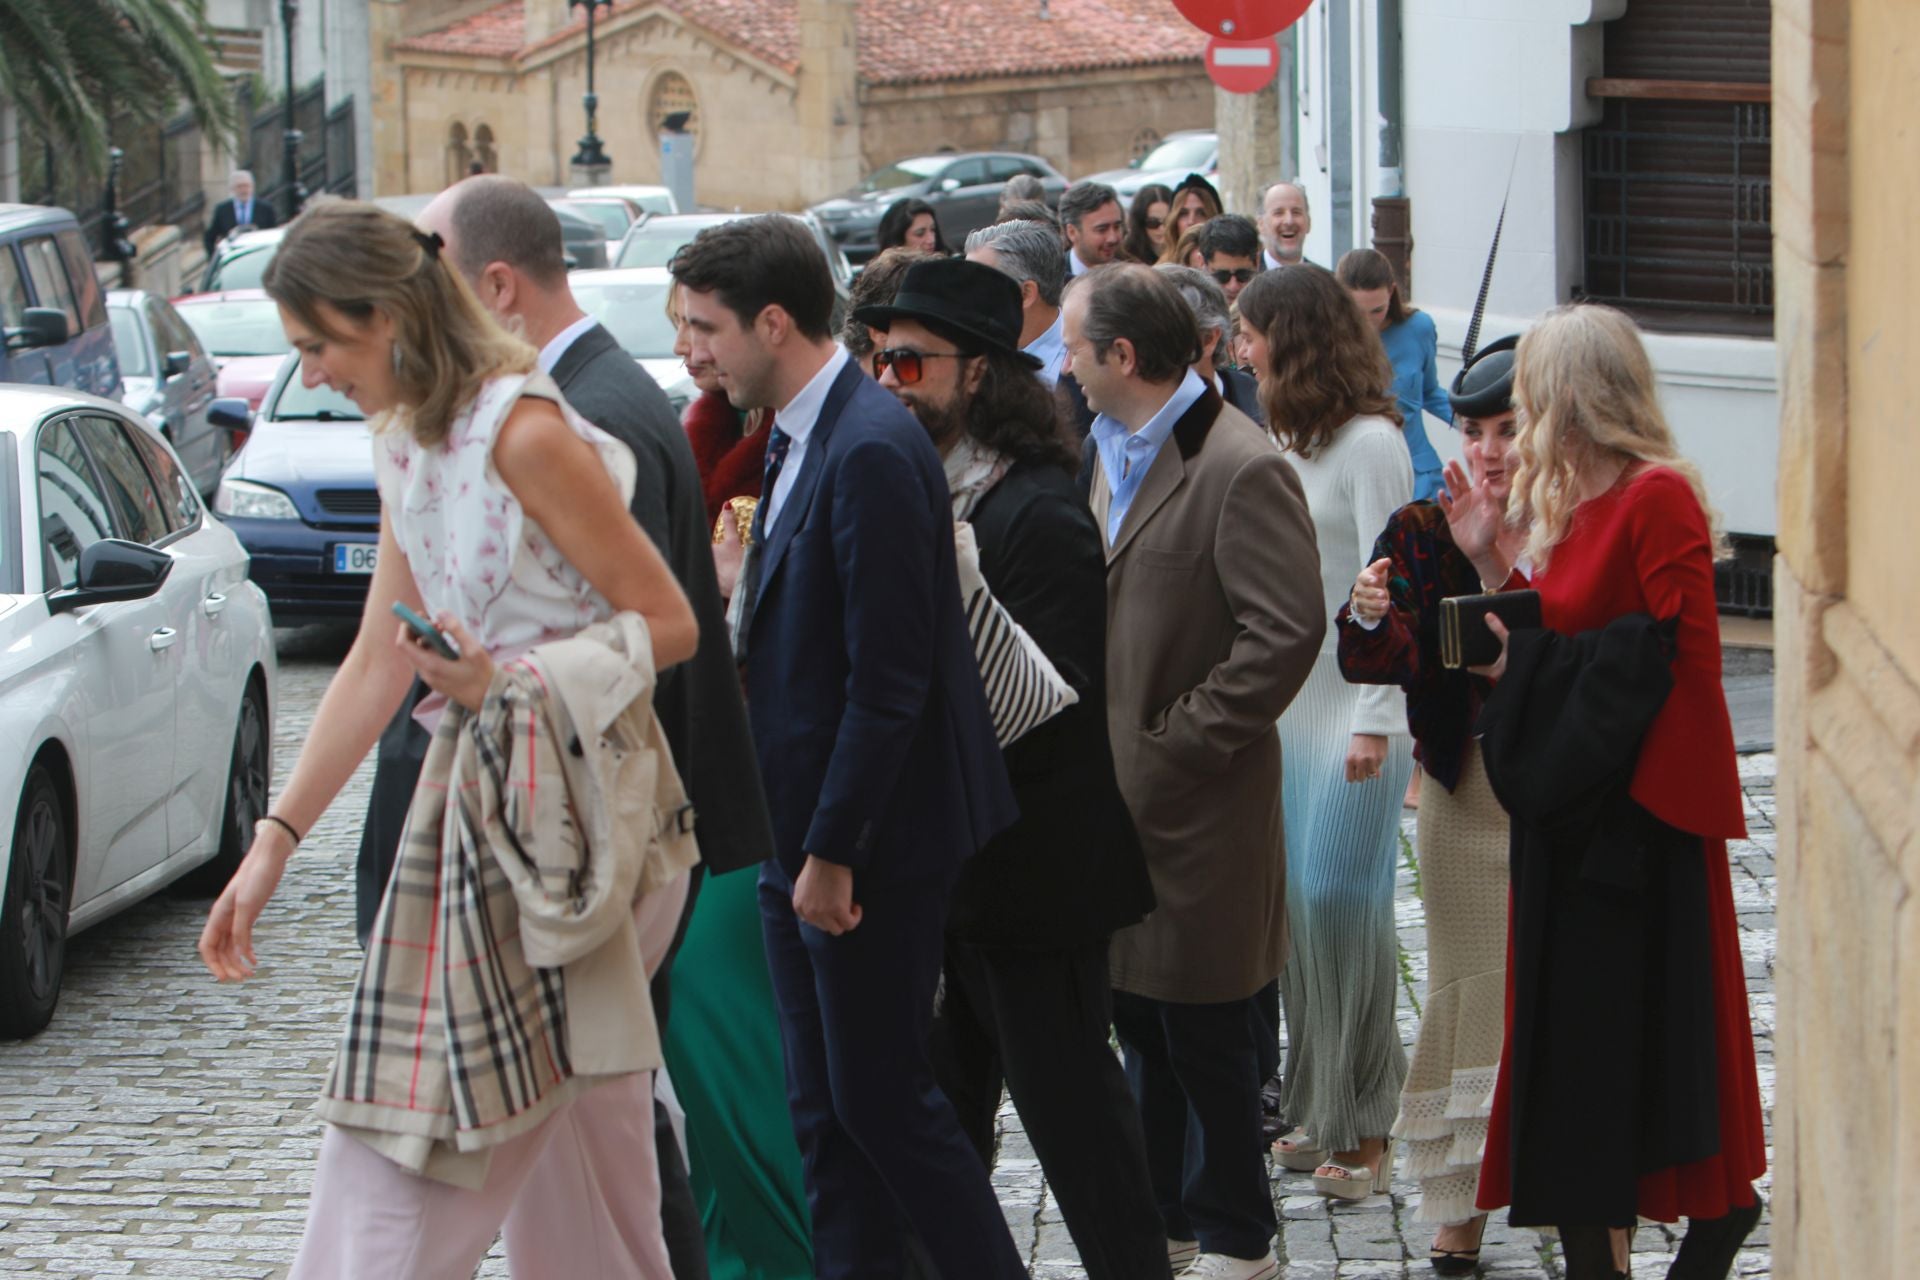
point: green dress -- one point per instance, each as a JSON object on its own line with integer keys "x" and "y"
{"x": 723, "y": 1051}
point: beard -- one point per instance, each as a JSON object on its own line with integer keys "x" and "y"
{"x": 945, "y": 423}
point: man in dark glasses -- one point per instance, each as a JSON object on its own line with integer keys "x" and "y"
{"x": 1231, "y": 246}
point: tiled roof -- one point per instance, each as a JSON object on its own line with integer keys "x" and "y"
{"x": 901, "y": 41}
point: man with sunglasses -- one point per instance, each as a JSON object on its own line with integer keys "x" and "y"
{"x": 1231, "y": 246}
{"x": 877, "y": 749}
{"x": 1027, "y": 999}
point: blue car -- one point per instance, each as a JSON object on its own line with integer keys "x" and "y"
{"x": 301, "y": 498}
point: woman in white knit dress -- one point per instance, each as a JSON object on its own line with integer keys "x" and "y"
{"x": 1346, "y": 753}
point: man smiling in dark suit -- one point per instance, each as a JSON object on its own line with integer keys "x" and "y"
{"x": 882, "y": 772}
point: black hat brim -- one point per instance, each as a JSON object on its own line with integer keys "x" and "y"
{"x": 882, "y": 317}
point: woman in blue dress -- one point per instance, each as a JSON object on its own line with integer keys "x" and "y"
{"x": 1413, "y": 347}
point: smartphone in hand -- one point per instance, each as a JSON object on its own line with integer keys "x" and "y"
{"x": 428, "y": 634}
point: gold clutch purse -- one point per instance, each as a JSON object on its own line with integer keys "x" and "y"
{"x": 739, "y": 510}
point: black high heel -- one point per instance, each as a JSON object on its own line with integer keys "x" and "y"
{"x": 1711, "y": 1245}
{"x": 1457, "y": 1262}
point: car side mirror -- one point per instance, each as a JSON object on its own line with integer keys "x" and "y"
{"x": 39, "y": 327}
{"x": 949, "y": 184}
{"x": 230, "y": 413}
{"x": 113, "y": 570}
{"x": 176, "y": 363}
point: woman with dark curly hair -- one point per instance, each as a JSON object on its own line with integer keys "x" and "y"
{"x": 1325, "y": 381}
{"x": 911, "y": 222}
{"x": 1147, "y": 221}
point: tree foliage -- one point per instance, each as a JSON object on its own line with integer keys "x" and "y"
{"x": 68, "y": 65}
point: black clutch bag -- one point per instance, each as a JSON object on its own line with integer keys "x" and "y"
{"x": 1465, "y": 640}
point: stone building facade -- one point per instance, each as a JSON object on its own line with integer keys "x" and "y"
{"x": 793, "y": 100}
{"x": 1848, "y": 630}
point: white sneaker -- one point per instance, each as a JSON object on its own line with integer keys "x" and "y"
{"x": 1181, "y": 1253}
{"x": 1221, "y": 1266}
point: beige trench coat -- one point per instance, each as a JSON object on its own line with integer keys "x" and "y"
{"x": 1214, "y": 617}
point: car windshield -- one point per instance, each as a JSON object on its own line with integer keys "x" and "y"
{"x": 1180, "y": 153}
{"x": 242, "y": 270}
{"x": 661, "y": 202}
{"x": 609, "y": 217}
{"x": 653, "y": 244}
{"x": 300, "y": 403}
{"x": 634, "y": 312}
{"x": 904, "y": 173}
{"x": 128, "y": 344}
{"x": 243, "y": 327}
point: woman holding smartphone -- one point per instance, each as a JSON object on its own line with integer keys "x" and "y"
{"x": 1627, "y": 1086}
{"x": 504, "y": 520}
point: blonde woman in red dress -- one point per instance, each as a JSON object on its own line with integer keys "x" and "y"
{"x": 1627, "y": 1085}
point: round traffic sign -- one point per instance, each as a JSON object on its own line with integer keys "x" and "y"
{"x": 1242, "y": 19}
{"x": 1243, "y": 66}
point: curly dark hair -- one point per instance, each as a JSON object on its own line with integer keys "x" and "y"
{"x": 1018, "y": 415}
{"x": 875, "y": 286}
{"x": 1325, "y": 364}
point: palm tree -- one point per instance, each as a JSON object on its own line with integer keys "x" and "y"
{"x": 65, "y": 64}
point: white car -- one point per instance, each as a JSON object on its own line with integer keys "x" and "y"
{"x": 136, "y": 683}
{"x": 632, "y": 303}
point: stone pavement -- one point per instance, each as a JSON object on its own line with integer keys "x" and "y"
{"x": 162, "y": 1125}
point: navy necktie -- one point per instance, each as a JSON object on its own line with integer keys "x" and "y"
{"x": 748, "y": 588}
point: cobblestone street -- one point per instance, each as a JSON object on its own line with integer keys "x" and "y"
{"x": 162, "y": 1126}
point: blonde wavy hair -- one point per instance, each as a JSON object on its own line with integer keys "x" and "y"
{"x": 361, "y": 259}
{"x": 1585, "y": 392}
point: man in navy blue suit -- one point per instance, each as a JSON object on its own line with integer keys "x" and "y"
{"x": 877, "y": 750}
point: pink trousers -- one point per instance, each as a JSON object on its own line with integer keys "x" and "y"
{"x": 579, "y": 1196}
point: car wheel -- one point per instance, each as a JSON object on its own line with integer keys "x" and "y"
{"x": 246, "y": 802}
{"x": 33, "y": 922}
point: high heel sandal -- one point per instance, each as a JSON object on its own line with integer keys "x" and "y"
{"x": 1458, "y": 1262}
{"x": 1360, "y": 1181}
{"x": 1299, "y": 1157}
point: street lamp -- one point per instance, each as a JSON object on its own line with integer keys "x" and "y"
{"x": 591, "y": 156}
{"x": 290, "y": 136}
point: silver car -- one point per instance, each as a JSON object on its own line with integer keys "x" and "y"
{"x": 136, "y": 683}
{"x": 168, "y": 378}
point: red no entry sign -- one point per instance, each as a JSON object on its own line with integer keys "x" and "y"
{"x": 1243, "y": 66}
{"x": 1242, "y": 19}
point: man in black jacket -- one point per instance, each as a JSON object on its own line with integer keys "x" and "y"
{"x": 1027, "y": 996}
{"x": 240, "y": 210}
{"x": 505, "y": 240}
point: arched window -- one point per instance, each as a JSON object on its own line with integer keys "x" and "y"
{"x": 672, "y": 94}
{"x": 483, "y": 152}
{"x": 458, "y": 155}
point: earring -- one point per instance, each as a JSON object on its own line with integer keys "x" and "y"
{"x": 396, "y": 359}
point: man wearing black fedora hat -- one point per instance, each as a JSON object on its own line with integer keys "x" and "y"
{"x": 1027, "y": 996}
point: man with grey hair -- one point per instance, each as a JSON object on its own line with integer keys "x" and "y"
{"x": 1214, "y": 619}
{"x": 1285, "y": 221}
{"x": 1212, "y": 313}
{"x": 1095, "y": 223}
{"x": 1030, "y": 254}
{"x": 239, "y": 210}
{"x": 1021, "y": 187}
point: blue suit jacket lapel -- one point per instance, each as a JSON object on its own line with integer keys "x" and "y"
{"x": 793, "y": 513}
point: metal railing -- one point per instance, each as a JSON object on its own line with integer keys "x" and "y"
{"x": 1679, "y": 202}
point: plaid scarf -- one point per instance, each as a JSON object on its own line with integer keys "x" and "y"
{"x": 456, "y": 1041}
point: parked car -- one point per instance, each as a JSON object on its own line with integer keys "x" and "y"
{"x": 240, "y": 328}
{"x": 52, "y": 309}
{"x": 136, "y": 683}
{"x": 1176, "y": 156}
{"x": 964, "y": 190}
{"x": 632, "y": 304}
{"x": 167, "y": 377}
{"x": 301, "y": 498}
{"x": 655, "y": 239}
{"x": 240, "y": 261}
{"x": 614, "y": 214}
{"x": 649, "y": 199}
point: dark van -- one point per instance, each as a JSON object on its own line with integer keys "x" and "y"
{"x": 52, "y": 308}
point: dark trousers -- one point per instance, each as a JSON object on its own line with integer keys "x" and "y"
{"x": 1195, "y": 1071}
{"x": 880, "y": 1145}
{"x": 1039, "y": 1020}
{"x": 396, "y": 772}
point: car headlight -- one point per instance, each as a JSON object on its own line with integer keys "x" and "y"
{"x": 251, "y": 501}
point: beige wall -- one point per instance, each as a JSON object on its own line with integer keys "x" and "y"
{"x": 1848, "y": 698}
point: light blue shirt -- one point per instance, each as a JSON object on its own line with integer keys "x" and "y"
{"x": 797, "y": 418}
{"x": 1050, "y": 349}
{"x": 1126, "y": 457}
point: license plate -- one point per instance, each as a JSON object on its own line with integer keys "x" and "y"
{"x": 355, "y": 557}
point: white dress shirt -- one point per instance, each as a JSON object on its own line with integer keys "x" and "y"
{"x": 1074, "y": 264}
{"x": 797, "y": 419}
{"x": 1050, "y": 349}
{"x": 551, "y": 353}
